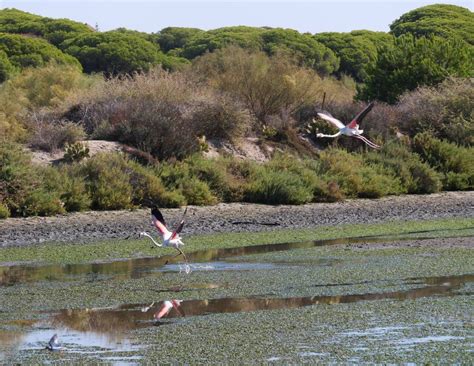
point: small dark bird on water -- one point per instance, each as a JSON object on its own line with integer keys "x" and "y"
{"x": 53, "y": 344}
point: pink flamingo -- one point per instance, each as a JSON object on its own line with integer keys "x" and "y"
{"x": 170, "y": 239}
{"x": 351, "y": 129}
{"x": 166, "y": 308}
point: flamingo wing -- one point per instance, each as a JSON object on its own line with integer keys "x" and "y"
{"x": 159, "y": 221}
{"x": 358, "y": 119}
{"x": 332, "y": 120}
{"x": 179, "y": 228}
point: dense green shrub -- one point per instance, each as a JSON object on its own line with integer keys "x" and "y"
{"x": 17, "y": 177}
{"x": 178, "y": 177}
{"x": 107, "y": 184}
{"x": 148, "y": 187}
{"x": 6, "y": 67}
{"x": 411, "y": 62}
{"x": 277, "y": 187}
{"x": 114, "y": 182}
{"x": 4, "y": 211}
{"x": 414, "y": 175}
{"x": 355, "y": 178}
{"x": 70, "y": 186}
{"x": 214, "y": 173}
{"x": 42, "y": 202}
{"x": 454, "y": 162}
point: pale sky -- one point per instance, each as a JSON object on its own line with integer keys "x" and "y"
{"x": 312, "y": 16}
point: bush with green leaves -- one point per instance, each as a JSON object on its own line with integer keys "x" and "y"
{"x": 75, "y": 152}
{"x": 17, "y": 177}
{"x": 276, "y": 187}
{"x": 4, "y": 211}
{"x": 107, "y": 184}
{"x": 42, "y": 202}
{"x": 33, "y": 99}
{"x": 414, "y": 175}
{"x": 115, "y": 182}
{"x": 355, "y": 178}
{"x": 412, "y": 62}
{"x": 454, "y": 162}
{"x": 71, "y": 185}
{"x": 148, "y": 187}
{"x": 6, "y": 67}
{"x": 177, "y": 177}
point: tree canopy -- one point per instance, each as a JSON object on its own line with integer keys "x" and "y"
{"x": 54, "y": 30}
{"x": 242, "y": 36}
{"x": 17, "y": 52}
{"x": 355, "y": 49}
{"x": 113, "y": 52}
{"x": 437, "y": 20}
{"x": 172, "y": 38}
{"x": 411, "y": 62}
{"x": 309, "y": 52}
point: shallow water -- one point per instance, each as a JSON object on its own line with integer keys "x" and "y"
{"x": 142, "y": 267}
{"x": 101, "y": 331}
{"x": 129, "y": 333}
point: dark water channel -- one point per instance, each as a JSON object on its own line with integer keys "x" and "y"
{"x": 142, "y": 267}
{"x": 104, "y": 330}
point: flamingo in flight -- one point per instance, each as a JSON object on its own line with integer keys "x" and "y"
{"x": 170, "y": 239}
{"x": 351, "y": 129}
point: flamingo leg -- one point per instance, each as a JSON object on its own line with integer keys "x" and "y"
{"x": 368, "y": 142}
{"x": 182, "y": 253}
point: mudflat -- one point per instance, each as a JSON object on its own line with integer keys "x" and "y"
{"x": 235, "y": 217}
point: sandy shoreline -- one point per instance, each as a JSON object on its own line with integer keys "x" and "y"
{"x": 235, "y": 217}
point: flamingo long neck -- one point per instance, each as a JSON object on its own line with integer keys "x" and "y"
{"x": 151, "y": 238}
{"x": 335, "y": 135}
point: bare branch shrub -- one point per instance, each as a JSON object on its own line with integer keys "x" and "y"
{"x": 159, "y": 112}
{"x": 267, "y": 85}
{"x": 446, "y": 110}
{"x": 49, "y": 134}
